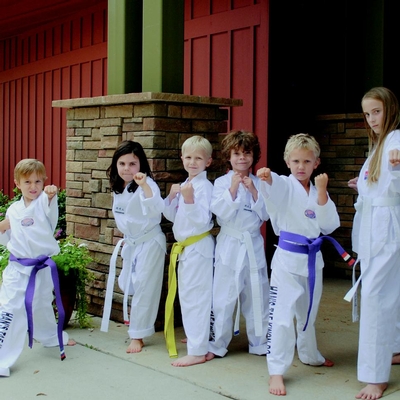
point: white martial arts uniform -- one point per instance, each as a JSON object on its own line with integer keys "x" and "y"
{"x": 376, "y": 240}
{"x": 195, "y": 267}
{"x": 232, "y": 266}
{"x": 143, "y": 262}
{"x": 31, "y": 235}
{"x": 292, "y": 210}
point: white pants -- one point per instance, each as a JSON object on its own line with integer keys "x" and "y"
{"x": 195, "y": 293}
{"x": 289, "y": 298}
{"x": 225, "y": 295}
{"x": 147, "y": 277}
{"x": 380, "y": 303}
{"x": 13, "y": 318}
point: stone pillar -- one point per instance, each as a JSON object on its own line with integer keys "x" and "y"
{"x": 344, "y": 148}
{"x": 160, "y": 122}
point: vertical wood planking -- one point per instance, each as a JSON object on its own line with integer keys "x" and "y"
{"x": 226, "y": 55}
{"x": 33, "y": 73}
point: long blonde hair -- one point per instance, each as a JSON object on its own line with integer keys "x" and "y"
{"x": 391, "y": 118}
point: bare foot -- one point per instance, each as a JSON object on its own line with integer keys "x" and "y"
{"x": 276, "y": 385}
{"x": 209, "y": 356}
{"x": 396, "y": 359}
{"x": 184, "y": 340}
{"x": 372, "y": 391}
{"x": 135, "y": 346}
{"x": 328, "y": 363}
{"x": 71, "y": 342}
{"x": 189, "y": 360}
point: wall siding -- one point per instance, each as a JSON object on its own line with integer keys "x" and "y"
{"x": 226, "y": 55}
{"x": 64, "y": 59}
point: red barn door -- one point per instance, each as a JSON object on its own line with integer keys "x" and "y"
{"x": 226, "y": 55}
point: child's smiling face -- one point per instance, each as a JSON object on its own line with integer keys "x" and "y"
{"x": 195, "y": 161}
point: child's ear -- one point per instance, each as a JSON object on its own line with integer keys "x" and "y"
{"x": 209, "y": 162}
{"x": 17, "y": 184}
{"x": 317, "y": 163}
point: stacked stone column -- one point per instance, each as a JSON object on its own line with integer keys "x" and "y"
{"x": 160, "y": 122}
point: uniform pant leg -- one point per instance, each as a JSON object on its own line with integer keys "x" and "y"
{"x": 396, "y": 345}
{"x": 306, "y": 340}
{"x": 379, "y": 297}
{"x": 147, "y": 284}
{"x": 284, "y": 292}
{"x": 195, "y": 294}
{"x": 257, "y": 344}
{"x": 44, "y": 321}
{"x": 225, "y": 296}
{"x": 13, "y": 320}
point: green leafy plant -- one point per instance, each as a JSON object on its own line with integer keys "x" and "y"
{"x": 73, "y": 259}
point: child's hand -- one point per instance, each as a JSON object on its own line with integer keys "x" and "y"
{"x": 140, "y": 178}
{"x": 5, "y": 225}
{"x": 248, "y": 182}
{"x": 249, "y": 185}
{"x": 51, "y": 191}
{"x": 265, "y": 175}
{"x": 175, "y": 189}
{"x": 235, "y": 182}
{"x": 321, "y": 182}
{"x": 352, "y": 183}
{"x": 394, "y": 157}
{"x": 187, "y": 192}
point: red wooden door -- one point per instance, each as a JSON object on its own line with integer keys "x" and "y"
{"x": 62, "y": 59}
{"x": 226, "y": 55}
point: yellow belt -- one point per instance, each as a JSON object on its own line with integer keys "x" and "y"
{"x": 169, "y": 332}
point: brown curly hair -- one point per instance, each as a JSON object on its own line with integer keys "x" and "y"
{"x": 240, "y": 139}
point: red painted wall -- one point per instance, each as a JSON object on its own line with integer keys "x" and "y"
{"x": 65, "y": 58}
{"x": 226, "y": 55}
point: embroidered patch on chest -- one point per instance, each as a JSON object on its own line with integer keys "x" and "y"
{"x": 119, "y": 210}
{"x": 28, "y": 221}
{"x": 309, "y": 214}
{"x": 366, "y": 175}
{"x": 247, "y": 207}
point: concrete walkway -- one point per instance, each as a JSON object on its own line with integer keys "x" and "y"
{"x": 98, "y": 367}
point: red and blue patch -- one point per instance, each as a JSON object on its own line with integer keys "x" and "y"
{"x": 28, "y": 221}
{"x": 310, "y": 214}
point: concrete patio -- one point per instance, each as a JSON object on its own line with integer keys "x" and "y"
{"x": 99, "y": 368}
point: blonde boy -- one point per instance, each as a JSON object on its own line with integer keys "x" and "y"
{"x": 188, "y": 207}
{"x": 299, "y": 212}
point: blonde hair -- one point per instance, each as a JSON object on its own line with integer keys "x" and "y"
{"x": 391, "y": 118}
{"x": 197, "y": 143}
{"x": 301, "y": 141}
{"x": 27, "y": 167}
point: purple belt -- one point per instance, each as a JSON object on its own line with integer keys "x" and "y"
{"x": 38, "y": 264}
{"x": 311, "y": 247}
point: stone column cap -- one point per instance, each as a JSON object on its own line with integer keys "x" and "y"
{"x": 146, "y": 97}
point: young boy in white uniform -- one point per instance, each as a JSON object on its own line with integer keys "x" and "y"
{"x": 240, "y": 274}
{"x": 32, "y": 221}
{"x": 297, "y": 207}
{"x": 188, "y": 207}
